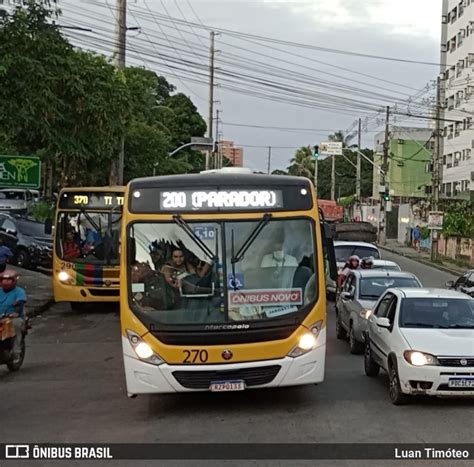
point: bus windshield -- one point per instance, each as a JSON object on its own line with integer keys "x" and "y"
{"x": 89, "y": 237}
{"x": 215, "y": 272}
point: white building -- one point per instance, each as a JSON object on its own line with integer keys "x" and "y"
{"x": 457, "y": 94}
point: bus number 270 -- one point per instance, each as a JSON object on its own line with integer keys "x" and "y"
{"x": 195, "y": 356}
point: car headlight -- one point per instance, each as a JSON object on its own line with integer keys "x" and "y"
{"x": 308, "y": 341}
{"x": 63, "y": 276}
{"x": 417, "y": 358}
{"x": 142, "y": 349}
{"x": 365, "y": 314}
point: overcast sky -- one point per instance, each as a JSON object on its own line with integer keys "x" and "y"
{"x": 406, "y": 29}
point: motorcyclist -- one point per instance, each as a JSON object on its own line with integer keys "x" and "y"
{"x": 12, "y": 304}
{"x": 367, "y": 262}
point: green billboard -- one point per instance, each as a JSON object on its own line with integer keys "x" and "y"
{"x": 20, "y": 171}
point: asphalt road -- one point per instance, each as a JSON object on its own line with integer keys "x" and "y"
{"x": 71, "y": 389}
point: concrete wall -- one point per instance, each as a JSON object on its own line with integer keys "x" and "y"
{"x": 457, "y": 248}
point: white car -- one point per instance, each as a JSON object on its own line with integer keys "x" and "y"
{"x": 424, "y": 340}
{"x": 386, "y": 265}
{"x": 361, "y": 290}
{"x": 343, "y": 250}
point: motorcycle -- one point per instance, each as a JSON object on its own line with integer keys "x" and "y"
{"x": 7, "y": 339}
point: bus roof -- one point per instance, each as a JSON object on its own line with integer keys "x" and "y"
{"x": 94, "y": 188}
{"x": 219, "y": 192}
{"x": 211, "y": 178}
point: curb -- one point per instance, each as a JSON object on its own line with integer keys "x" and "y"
{"x": 423, "y": 261}
{"x": 33, "y": 312}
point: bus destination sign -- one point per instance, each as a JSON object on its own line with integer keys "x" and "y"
{"x": 90, "y": 200}
{"x": 220, "y": 200}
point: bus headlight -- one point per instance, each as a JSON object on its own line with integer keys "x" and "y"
{"x": 308, "y": 341}
{"x": 142, "y": 349}
{"x": 63, "y": 276}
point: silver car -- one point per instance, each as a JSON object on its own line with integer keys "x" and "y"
{"x": 360, "y": 292}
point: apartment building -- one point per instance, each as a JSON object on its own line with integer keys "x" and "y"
{"x": 457, "y": 99}
{"x": 234, "y": 154}
{"x": 409, "y": 164}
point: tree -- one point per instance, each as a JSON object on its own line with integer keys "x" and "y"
{"x": 71, "y": 107}
{"x": 67, "y": 106}
{"x": 302, "y": 164}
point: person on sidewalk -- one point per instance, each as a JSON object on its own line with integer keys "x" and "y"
{"x": 417, "y": 238}
{"x": 5, "y": 255}
{"x": 12, "y": 303}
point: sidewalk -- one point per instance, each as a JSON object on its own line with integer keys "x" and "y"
{"x": 39, "y": 290}
{"x": 422, "y": 257}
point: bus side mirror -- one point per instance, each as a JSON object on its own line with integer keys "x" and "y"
{"x": 328, "y": 249}
{"x": 48, "y": 226}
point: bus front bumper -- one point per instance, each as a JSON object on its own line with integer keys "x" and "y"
{"x": 78, "y": 293}
{"x": 144, "y": 378}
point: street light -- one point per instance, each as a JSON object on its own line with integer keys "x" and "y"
{"x": 196, "y": 145}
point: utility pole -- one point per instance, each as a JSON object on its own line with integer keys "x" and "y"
{"x": 383, "y": 202}
{"x": 216, "y": 153}
{"x": 116, "y": 172}
{"x": 333, "y": 178}
{"x": 316, "y": 175}
{"x": 436, "y": 168}
{"x": 269, "y": 159}
{"x": 358, "y": 170}
{"x": 211, "y": 96}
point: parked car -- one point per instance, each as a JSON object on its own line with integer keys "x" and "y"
{"x": 464, "y": 284}
{"x": 36, "y": 195}
{"x": 343, "y": 250}
{"x": 361, "y": 290}
{"x": 26, "y": 238}
{"x": 15, "y": 200}
{"x": 423, "y": 339}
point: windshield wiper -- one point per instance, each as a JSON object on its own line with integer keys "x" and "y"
{"x": 186, "y": 227}
{"x": 251, "y": 238}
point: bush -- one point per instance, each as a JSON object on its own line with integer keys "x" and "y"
{"x": 425, "y": 233}
{"x": 42, "y": 211}
{"x": 459, "y": 220}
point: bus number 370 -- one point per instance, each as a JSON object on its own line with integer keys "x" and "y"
{"x": 195, "y": 356}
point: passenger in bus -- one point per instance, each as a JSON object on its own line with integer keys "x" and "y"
{"x": 279, "y": 258}
{"x": 71, "y": 249}
{"x": 176, "y": 269}
{"x": 157, "y": 254}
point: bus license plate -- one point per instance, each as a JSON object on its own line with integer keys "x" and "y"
{"x": 467, "y": 383}
{"x": 222, "y": 386}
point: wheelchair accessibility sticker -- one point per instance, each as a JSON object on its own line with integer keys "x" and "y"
{"x": 236, "y": 282}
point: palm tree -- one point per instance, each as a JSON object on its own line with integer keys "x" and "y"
{"x": 302, "y": 164}
{"x": 341, "y": 137}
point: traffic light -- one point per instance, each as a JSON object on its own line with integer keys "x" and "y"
{"x": 215, "y": 146}
{"x": 386, "y": 196}
{"x": 315, "y": 151}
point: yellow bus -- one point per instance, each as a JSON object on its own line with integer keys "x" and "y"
{"x": 223, "y": 283}
{"x": 86, "y": 265}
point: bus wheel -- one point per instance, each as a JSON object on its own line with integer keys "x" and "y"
{"x": 77, "y": 306}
